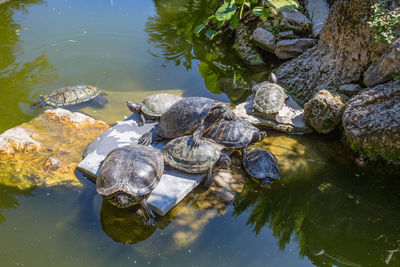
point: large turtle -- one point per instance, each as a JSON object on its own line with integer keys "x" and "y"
{"x": 128, "y": 175}
{"x": 182, "y": 155}
{"x": 234, "y": 134}
{"x": 153, "y": 106}
{"x": 189, "y": 115}
{"x": 261, "y": 165}
{"x": 71, "y": 95}
{"x": 268, "y": 98}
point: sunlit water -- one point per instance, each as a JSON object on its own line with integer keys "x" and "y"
{"x": 325, "y": 211}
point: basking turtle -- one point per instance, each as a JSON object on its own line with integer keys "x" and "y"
{"x": 261, "y": 165}
{"x": 180, "y": 154}
{"x": 128, "y": 175}
{"x": 268, "y": 98}
{"x": 189, "y": 115}
{"x": 153, "y": 106}
{"x": 71, "y": 95}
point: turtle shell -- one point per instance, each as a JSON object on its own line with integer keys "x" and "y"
{"x": 182, "y": 155}
{"x": 134, "y": 170}
{"x": 260, "y": 163}
{"x": 184, "y": 116}
{"x": 155, "y": 105}
{"x": 269, "y": 97}
{"x": 233, "y": 134}
{"x": 71, "y": 95}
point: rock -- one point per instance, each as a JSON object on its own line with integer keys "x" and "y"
{"x": 286, "y": 35}
{"x": 350, "y": 89}
{"x": 286, "y": 49}
{"x": 264, "y": 39}
{"x": 324, "y": 111}
{"x": 345, "y": 50}
{"x": 31, "y": 154}
{"x": 371, "y": 122}
{"x": 294, "y": 20}
{"x": 244, "y": 48}
{"x": 385, "y": 68}
{"x": 289, "y": 119}
{"x": 318, "y": 11}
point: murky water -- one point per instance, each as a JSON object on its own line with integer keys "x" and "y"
{"x": 325, "y": 211}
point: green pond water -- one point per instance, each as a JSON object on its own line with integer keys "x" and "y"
{"x": 325, "y": 211}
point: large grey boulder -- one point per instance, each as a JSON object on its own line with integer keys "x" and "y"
{"x": 289, "y": 119}
{"x": 244, "y": 48}
{"x": 385, "y": 68}
{"x": 324, "y": 111}
{"x": 294, "y": 20}
{"x": 264, "y": 39}
{"x": 318, "y": 11}
{"x": 371, "y": 121}
{"x": 286, "y": 49}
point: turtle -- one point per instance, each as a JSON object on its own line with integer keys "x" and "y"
{"x": 234, "y": 134}
{"x": 180, "y": 154}
{"x": 128, "y": 175}
{"x": 71, "y": 95}
{"x": 153, "y": 106}
{"x": 268, "y": 98}
{"x": 261, "y": 165}
{"x": 191, "y": 115}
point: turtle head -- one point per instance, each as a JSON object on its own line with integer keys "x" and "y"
{"x": 258, "y": 137}
{"x": 134, "y": 107}
{"x": 265, "y": 183}
{"x": 122, "y": 200}
{"x": 221, "y": 111}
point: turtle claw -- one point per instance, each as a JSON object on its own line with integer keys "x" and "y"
{"x": 229, "y": 115}
{"x": 148, "y": 221}
{"x": 145, "y": 139}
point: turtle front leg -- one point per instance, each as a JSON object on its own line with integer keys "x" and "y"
{"x": 142, "y": 119}
{"x": 197, "y": 134}
{"x": 208, "y": 179}
{"x": 148, "y": 216}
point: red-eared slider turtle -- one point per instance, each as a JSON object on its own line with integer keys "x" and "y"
{"x": 268, "y": 98}
{"x": 71, "y": 95}
{"x": 182, "y": 155}
{"x": 153, "y": 106}
{"x": 128, "y": 175}
{"x": 261, "y": 165}
{"x": 189, "y": 115}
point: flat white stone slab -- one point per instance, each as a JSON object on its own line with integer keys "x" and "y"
{"x": 173, "y": 186}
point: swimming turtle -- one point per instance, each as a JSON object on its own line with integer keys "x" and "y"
{"x": 182, "y": 155}
{"x": 189, "y": 115}
{"x": 71, "y": 95}
{"x": 128, "y": 175}
{"x": 268, "y": 98}
{"x": 261, "y": 165}
{"x": 153, "y": 106}
{"x": 234, "y": 134}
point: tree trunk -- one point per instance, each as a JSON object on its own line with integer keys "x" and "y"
{"x": 345, "y": 51}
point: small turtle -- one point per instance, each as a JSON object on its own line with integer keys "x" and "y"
{"x": 189, "y": 115}
{"x": 71, "y": 95}
{"x": 153, "y": 106}
{"x": 128, "y": 175}
{"x": 268, "y": 98}
{"x": 180, "y": 154}
{"x": 234, "y": 134}
{"x": 261, "y": 165}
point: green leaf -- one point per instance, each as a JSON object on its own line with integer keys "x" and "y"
{"x": 209, "y": 18}
{"x": 211, "y": 34}
{"x": 210, "y": 78}
{"x": 220, "y": 23}
{"x": 198, "y": 29}
{"x": 266, "y": 14}
{"x": 257, "y": 11}
{"x": 226, "y": 11}
{"x": 239, "y": 2}
{"x": 234, "y": 21}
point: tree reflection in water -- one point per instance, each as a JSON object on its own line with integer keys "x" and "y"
{"x": 338, "y": 218}
{"x": 171, "y": 31}
{"x": 18, "y": 80}
{"x": 8, "y": 198}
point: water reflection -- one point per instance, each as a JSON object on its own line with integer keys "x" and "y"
{"x": 18, "y": 79}
{"x": 171, "y": 31}
{"x": 8, "y": 199}
{"x": 339, "y": 217}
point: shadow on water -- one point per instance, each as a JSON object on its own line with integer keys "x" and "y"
{"x": 339, "y": 214}
{"x": 171, "y": 31}
{"x": 8, "y": 199}
{"x": 17, "y": 79}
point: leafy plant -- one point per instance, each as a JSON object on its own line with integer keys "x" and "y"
{"x": 232, "y": 11}
{"x": 384, "y": 21}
